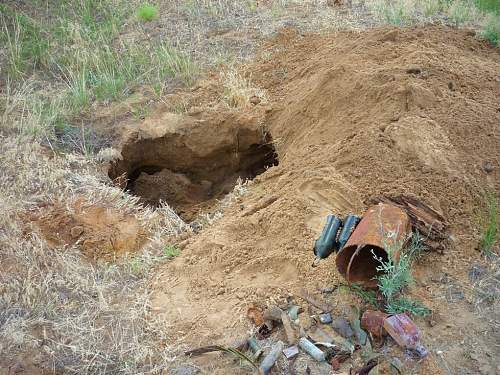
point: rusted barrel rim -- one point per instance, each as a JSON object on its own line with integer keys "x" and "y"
{"x": 356, "y": 261}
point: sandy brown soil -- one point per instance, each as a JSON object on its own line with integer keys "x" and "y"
{"x": 352, "y": 115}
{"x": 101, "y": 232}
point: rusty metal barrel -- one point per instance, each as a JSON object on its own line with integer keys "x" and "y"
{"x": 382, "y": 225}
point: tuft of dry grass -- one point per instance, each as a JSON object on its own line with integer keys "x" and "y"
{"x": 486, "y": 291}
{"x": 239, "y": 92}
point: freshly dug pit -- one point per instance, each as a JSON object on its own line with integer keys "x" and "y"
{"x": 193, "y": 163}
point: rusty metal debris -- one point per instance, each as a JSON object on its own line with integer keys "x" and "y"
{"x": 426, "y": 220}
{"x": 332, "y": 342}
{"x": 365, "y": 370}
{"x": 338, "y": 359}
{"x": 373, "y": 322}
{"x": 382, "y": 225}
{"x": 254, "y": 313}
{"x": 399, "y": 326}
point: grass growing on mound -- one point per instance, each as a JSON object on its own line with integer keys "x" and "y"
{"x": 490, "y": 233}
{"x": 456, "y": 12}
{"x": 489, "y": 5}
{"x": 396, "y": 13}
{"x": 26, "y": 45}
{"x": 491, "y": 30}
{"x": 462, "y": 12}
{"x": 147, "y": 12}
{"x": 238, "y": 90}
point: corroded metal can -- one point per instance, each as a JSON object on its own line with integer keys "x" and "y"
{"x": 373, "y": 322}
{"x": 383, "y": 226}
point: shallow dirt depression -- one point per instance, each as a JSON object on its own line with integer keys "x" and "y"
{"x": 191, "y": 164}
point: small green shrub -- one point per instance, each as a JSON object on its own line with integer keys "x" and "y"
{"x": 147, "y": 12}
{"x": 136, "y": 265}
{"x": 368, "y": 296}
{"x": 171, "y": 251}
{"x": 491, "y": 30}
{"x": 396, "y": 276}
{"x": 490, "y": 234}
{"x": 406, "y": 305}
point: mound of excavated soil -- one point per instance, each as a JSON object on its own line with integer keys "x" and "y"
{"x": 352, "y": 115}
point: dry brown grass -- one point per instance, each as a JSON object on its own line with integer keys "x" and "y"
{"x": 239, "y": 90}
{"x": 57, "y": 307}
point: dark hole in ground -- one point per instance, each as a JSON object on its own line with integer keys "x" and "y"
{"x": 167, "y": 170}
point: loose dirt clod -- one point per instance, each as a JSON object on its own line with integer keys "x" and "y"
{"x": 102, "y": 232}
